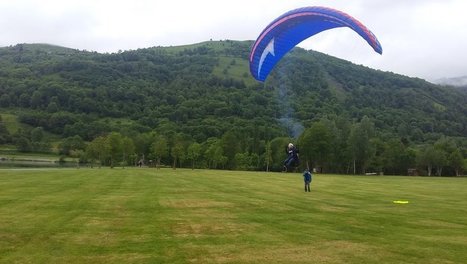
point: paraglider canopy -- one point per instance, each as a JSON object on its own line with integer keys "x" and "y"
{"x": 291, "y": 28}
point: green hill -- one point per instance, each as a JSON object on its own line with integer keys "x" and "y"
{"x": 205, "y": 90}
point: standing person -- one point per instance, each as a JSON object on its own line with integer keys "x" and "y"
{"x": 307, "y": 178}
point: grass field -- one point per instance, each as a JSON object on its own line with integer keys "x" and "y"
{"x": 208, "y": 216}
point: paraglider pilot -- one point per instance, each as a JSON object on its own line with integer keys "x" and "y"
{"x": 307, "y": 178}
{"x": 292, "y": 157}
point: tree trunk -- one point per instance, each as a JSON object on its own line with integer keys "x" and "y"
{"x": 354, "y": 167}
{"x": 439, "y": 170}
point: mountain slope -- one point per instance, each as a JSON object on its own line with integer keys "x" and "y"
{"x": 205, "y": 90}
{"x": 323, "y": 85}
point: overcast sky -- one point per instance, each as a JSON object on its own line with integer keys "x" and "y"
{"x": 420, "y": 38}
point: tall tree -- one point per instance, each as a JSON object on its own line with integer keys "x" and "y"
{"x": 178, "y": 149}
{"x": 4, "y": 133}
{"x": 268, "y": 155}
{"x": 230, "y": 147}
{"x": 194, "y": 152}
{"x": 128, "y": 150}
{"x": 23, "y": 144}
{"x": 427, "y": 158}
{"x": 115, "y": 142}
{"x": 456, "y": 161}
{"x": 143, "y": 144}
{"x": 69, "y": 144}
{"x": 341, "y": 156}
{"x": 315, "y": 145}
{"x": 98, "y": 149}
{"x": 360, "y": 144}
{"x": 211, "y": 146}
{"x": 37, "y": 134}
{"x": 443, "y": 147}
{"x": 160, "y": 149}
{"x": 397, "y": 157}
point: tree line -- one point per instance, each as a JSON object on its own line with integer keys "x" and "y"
{"x": 330, "y": 145}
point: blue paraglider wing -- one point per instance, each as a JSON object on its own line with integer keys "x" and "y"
{"x": 288, "y": 30}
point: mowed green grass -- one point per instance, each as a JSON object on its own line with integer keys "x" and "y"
{"x": 207, "y": 216}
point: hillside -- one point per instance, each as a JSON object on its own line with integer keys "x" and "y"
{"x": 204, "y": 91}
{"x": 145, "y": 87}
{"x": 213, "y": 77}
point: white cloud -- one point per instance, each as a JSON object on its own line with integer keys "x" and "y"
{"x": 422, "y": 38}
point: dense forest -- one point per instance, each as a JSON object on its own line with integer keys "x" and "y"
{"x": 197, "y": 106}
